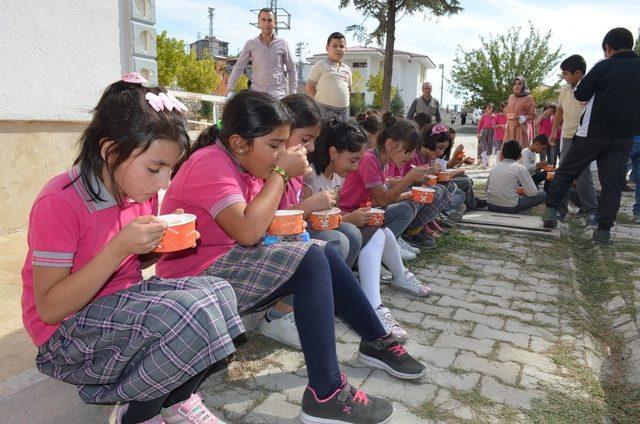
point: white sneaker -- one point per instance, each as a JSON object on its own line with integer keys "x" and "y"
{"x": 407, "y": 256}
{"x": 406, "y": 246}
{"x": 409, "y": 282}
{"x": 390, "y": 324}
{"x": 282, "y": 329}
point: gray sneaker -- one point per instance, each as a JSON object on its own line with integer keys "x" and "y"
{"x": 390, "y": 324}
{"x": 591, "y": 221}
{"x": 409, "y": 282}
{"x": 406, "y": 246}
{"x": 345, "y": 405}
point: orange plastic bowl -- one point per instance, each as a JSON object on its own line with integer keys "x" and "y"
{"x": 520, "y": 191}
{"x": 549, "y": 168}
{"x": 444, "y": 176}
{"x": 180, "y": 233}
{"x": 377, "y": 217}
{"x": 287, "y": 222}
{"x": 550, "y": 175}
{"x": 430, "y": 180}
{"x": 326, "y": 220}
{"x": 422, "y": 194}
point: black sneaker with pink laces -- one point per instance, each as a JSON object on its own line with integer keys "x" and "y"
{"x": 389, "y": 355}
{"x": 345, "y": 405}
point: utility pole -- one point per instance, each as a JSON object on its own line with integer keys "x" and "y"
{"x": 300, "y": 48}
{"x": 212, "y": 14}
{"x": 441, "y": 66}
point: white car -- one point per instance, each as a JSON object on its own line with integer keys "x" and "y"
{"x": 475, "y": 116}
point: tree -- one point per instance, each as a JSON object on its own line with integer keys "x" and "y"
{"x": 198, "y": 76}
{"x": 171, "y": 57}
{"x": 242, "y": 83}
{"x": 486, "y": 74}
{"x": 637, "y": 46}
{"x": 387, "y": 13}
{"x": 397, "y": 104}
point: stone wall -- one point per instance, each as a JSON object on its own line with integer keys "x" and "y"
{"x": 32, "y": 153}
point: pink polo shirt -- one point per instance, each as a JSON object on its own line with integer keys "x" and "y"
{"x": 545, "y": 126}
{"x": 498, "y": 131}
{"x": 66, "y": 230}
{"x": 486, "y": 122}
{"x": 292, "y": 195}
{"x": 357, "y": 184}
{"x": 207, "y": 183}
{"x": 392, "y": 170}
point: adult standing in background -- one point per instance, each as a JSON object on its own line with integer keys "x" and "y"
{"x": 425, "y": 104}
{"x": 271, "y": 60}
{"x": 463, "y": 117}
{"x": 520, "y": 111}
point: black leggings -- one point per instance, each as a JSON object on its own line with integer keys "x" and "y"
{"x": 324, "y": 287}
{"x": 140, "y": 411}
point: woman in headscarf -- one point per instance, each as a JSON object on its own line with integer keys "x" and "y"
{"x": 520, "y": 111}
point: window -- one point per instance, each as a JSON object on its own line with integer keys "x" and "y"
{"x": 359, "y": 64}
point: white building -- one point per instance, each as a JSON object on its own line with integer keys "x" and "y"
{"x": 409, "y": 69}
{"x": 57, "y": 58}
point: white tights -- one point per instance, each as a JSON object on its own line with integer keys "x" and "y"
{"x": 381, "y": 248}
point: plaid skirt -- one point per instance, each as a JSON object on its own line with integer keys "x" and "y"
{"x": 256, "y": 272}
{"x": 143, "y": 342}
{"x": 485, "y": 142}
{"x": 428, "y": 212}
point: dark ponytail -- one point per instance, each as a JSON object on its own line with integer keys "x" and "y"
{"x": 304, "y": 110}
{"x": 343, "y": 135}
{"x": 249, "y": 114}
{"x": 370, "y": 120}
{"x": 400, "y": 130}
{"x": 124, "y": 118}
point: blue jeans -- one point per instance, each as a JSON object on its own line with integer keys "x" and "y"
{"x": 635, "y": 169}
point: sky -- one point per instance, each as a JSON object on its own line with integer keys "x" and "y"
{"x": 576, "y": 26}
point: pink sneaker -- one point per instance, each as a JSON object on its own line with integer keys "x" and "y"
{"x": 191, "y": 411}
{"x": 119, "y": 411}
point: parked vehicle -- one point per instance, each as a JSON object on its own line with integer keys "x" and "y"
{"x": 475, "y": 116}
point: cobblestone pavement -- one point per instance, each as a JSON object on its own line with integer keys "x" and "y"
{"x": 506, "y": 337}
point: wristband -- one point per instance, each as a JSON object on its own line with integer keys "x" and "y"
{"x": 282, "y": 173}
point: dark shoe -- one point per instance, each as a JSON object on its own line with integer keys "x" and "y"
{"x": 602, "y": 237}
{"x": 444, "y": 222}
{"x": 550, "y": 218}
{"x": 454, "y": 216}
{"x": 345, "y": 405}
{"x": 421, "y": 240}
{"x": 636, "y": 219}
{"x": 591, "y": 221}
{"x": 481, "y": 204}
{"x": 389, "y": 355}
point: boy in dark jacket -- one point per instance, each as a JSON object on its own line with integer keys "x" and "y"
{"x": 611, "y": 90}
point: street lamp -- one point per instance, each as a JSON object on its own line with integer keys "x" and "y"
{"x": 441, "y": 66}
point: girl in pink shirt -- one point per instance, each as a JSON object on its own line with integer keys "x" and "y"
{"x": 499, "y": 125}
{"x": 397, "y": 142}
{"x": 485, "y": 134}
{"x": 544, "y": 124}
{"x": 279, "y": 323}
{"x": 234, "y": 183}
{"x": 98, "y": 325}
{"x": 338, "y": 151}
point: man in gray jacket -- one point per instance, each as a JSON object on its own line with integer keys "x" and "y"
{"x": 425, "y": 104}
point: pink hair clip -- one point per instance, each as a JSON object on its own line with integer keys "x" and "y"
{"x": 164, "y": 101}
{"x": 134, "y": 78}
{"x": 439, "y": 129}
